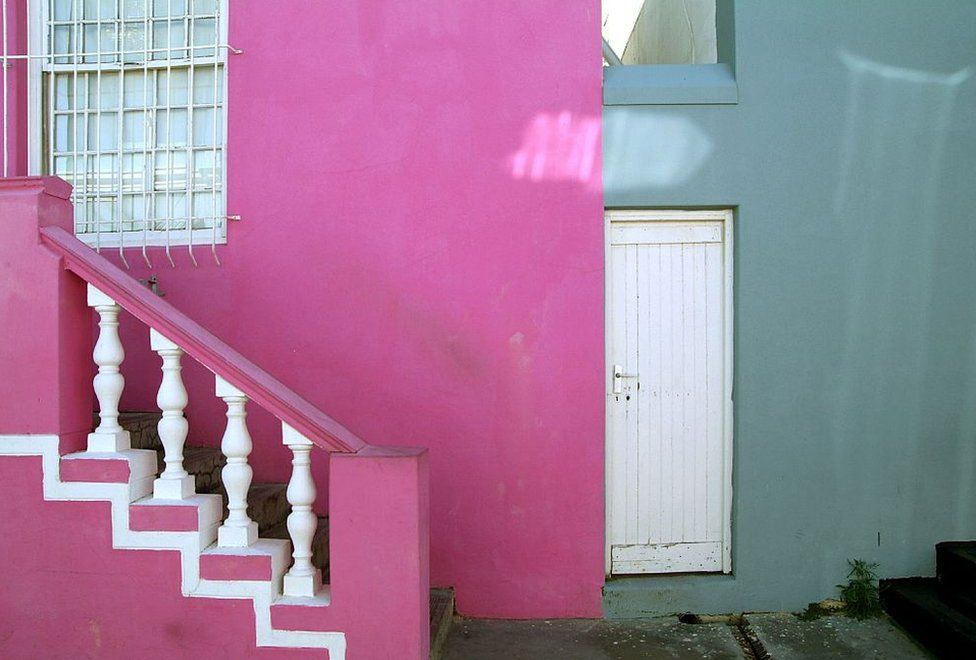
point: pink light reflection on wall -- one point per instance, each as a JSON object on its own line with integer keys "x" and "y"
{"x": 559, "y": 147}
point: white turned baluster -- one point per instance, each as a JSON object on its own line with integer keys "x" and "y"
{"x": 238, "y": 530}
{"x": 302, "y": 579}
{"x": 174, "y": 483}
{"x": 108, "y": 383}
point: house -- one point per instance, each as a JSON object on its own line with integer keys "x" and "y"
{"x": 386, "y": 260}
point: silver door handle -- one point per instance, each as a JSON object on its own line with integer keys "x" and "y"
{"x": 618, "y": 376}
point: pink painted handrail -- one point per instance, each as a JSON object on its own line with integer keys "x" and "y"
{"x": 199, "y": 343}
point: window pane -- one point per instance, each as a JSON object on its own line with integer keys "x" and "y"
{"x": 135, "y": 93}
{"x": 204, "y": 34}
{"x": 204, "y": 7}
{"x": 135, "y": 8}
{"x": 104, "y": 174}
{"x": 63, "y": 133}
{"x": 63, "y": 92}
{"x": 134, "y": 130}
{"x": 203, "y": 85}
{"x": 101, "y": 41}
{"x": 63, "y": 42}
{"x": 101, "y": 10}
{"x": 133, "y": 173}
{"x": 168, "y": 37}
{"x": 105, "y": 215}
{"x": 171, "y": 211}
{"x": 134, "y": 43}
{"x": 171, "y": 126}
{"x": 103, "y": 90}
{"x": 203, "y": 210}
{"x": 170, "y": 170}
{"x": 63, "y": 10}
{"x": 169, "y": 7}
{"x": 64, "y": 168}
{"x": 203, "y": 168}
{"x": 171, "y": 88}
{"x": 103, "y": 131}
{"x": 204, "y": 131}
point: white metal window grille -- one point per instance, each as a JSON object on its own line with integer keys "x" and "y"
{"x": 132, "y": 98}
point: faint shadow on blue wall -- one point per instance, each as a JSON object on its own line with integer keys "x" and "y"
{"x": 891, "y": 382}
{"x": 667, "y": 149}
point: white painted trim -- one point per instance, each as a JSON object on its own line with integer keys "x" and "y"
{"x": 679, "y": 215}
{"x": 729, "y": 384}
{"x": 645, "y": 233}
{"x": 189, "y": 544}
{"x": 668, "y": 557}
{"x": 726, "y": 216}
{"x": 36, "y": 15}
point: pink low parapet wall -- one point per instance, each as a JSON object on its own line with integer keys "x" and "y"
{"x": 416, "y": 257}
{"x": 420, "y": 254}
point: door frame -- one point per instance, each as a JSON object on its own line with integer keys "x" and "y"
{"x": 726, "y": 216}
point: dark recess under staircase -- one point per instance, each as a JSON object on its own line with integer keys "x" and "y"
{"x": 939, "y": 612}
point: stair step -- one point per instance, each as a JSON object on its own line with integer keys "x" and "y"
{"x": 956, "y": 575}
{"x": 205, "y": 464}
{"x": 267, "y": 505}
{"x": 915, "y": 604}
{"x": 320, "y": 543}
{"x": 141, "y": 427}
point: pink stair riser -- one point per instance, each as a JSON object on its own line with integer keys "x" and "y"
{"x": 235, "y": 567}
{"x": 302, "y": 617}
{"x": 96, "y": 470}
{"x": 161, "y": 518}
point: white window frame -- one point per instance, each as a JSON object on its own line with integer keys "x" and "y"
{"x": 37, "y": 16}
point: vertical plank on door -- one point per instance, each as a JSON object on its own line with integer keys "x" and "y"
{"x": 618, "y": 428}
{"x": 715, "y": 343}
{"x": 632, "y": 359}
{"x": 667, "y": 391}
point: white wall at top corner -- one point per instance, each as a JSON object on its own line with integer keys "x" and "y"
{"x": 661, "y": 31}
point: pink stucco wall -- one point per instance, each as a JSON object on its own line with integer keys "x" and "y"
{"x": 421, "y": 256}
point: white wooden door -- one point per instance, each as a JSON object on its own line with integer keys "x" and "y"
{"x": 669, "y": 453}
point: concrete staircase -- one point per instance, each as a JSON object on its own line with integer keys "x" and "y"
{"x": 939, "y": 612}
{"x": 267, "y": 505}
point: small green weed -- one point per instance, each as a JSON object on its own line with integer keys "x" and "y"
{"x": 860, "y": 594}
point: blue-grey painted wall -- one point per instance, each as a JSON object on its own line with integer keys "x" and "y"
{"x": 851, "y": 160}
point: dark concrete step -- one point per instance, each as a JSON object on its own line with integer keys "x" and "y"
{"x": 915, "y": 604}
{"x": 205, "y": 464}
{"x": 956, "y": 575}
{"x": 320, "y": 543}
{"x": 141, "y": 427}
{"x": 267, "y": 505}
{"x": 441, "y": 620}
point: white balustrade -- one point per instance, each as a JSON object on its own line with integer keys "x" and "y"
{"x": 303, "y": 579}
{"x": 238, "y": 530}
{"x": 108, "y": 383}
{"x": 174, "y": 483}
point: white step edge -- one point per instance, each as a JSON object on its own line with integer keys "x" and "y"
{"x": 190, "y": 544}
